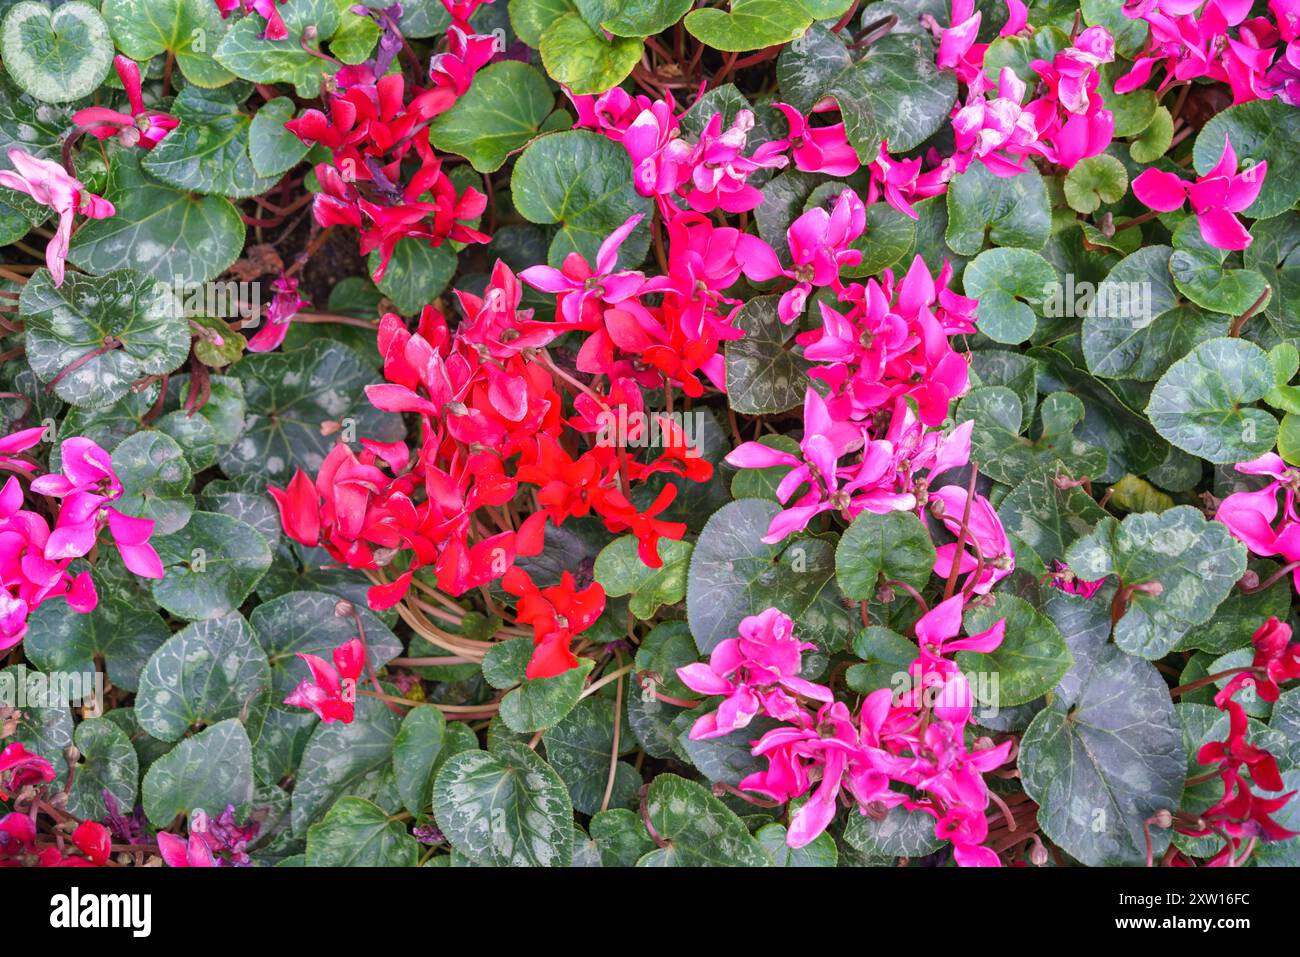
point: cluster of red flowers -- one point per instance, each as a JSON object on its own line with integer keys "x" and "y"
{"x": 491, "y": 405}
{"x": 1241, "y": 816}
{"x": 20, "y": 770}
{"x": 372, "y": 128}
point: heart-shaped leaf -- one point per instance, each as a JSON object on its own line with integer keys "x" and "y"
{"x": 620, "y": 571}
{"x": 1275, "y": 254}
{"x": 764, "y": 374}
{"x": 1095, "y": 180}
{"x": 583, "y": 59}
{"x": 417, "y": 273}
{"x": 273, "y": 149}
{"x": 540, "y": 703}
{"x": 56, "y": 55}
{"x": 189, "y": 30}
{"x": 416, "y": 750}
{"x": 290, "y": 397}
{"x": 246, "y": 53}
{"x": 1007, "y": 211}
{"x": 891, "y": 92}
{"x": 506, "y": 807}
{"x": 697, "y": 829}
{"x": 582, "y": 182}
{"x": 209, "y": 151}
{"x": 579, "y": 748}
{"x": 346, "y": 759}
{"x": 108, "y": 763}
{"x": 95, "y": 335}
{"x": 207, "y": 772}
{"x": 359, "y": 833}
{"x": 206, "y": 672}
{"x": 1201, "y": 405}
{"x": 1009, "y": 284}
{"x": 503, "y": 110}
{"x": 750, "y": 24}
{"x": 1178, "y": 566}
{"x": 168, "y": 233}
{"x": 1197, "y": 268}
{"x": 155, "y": 481}
{"x": 1049, "y": 515}
{"x": 895, "y": 545}
{"x": 1103, "y": 757}
{"x": 900, "y": 833}
{"x": 1032, "y": 658}
{"x": 210, "y": 566}
{"x": 733, "y": 575}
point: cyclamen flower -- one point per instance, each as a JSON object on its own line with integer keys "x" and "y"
{"x": 758, "y": 672}
{"x": 218, "y": 842}
{"x": 331, "y": 691}
{"x": 285, "y": 304}
{"x": 1215, "y": 197}
{"x": 718, "y": 172}
{"x": 50, "y": 185}
{"x": 93, "y": 840}
{"x": 275, "y": 28}
{"x": 19, "y": 768}
{"x": 556, "y": 614}
{"x": 901, "y": 181}
{"x": 993, "y": 558}
{"x": 141, "y": 127}
{"x": 998, "y": 132}
{"x": 818, "y": 149}
{"x": 1250, "y": 516}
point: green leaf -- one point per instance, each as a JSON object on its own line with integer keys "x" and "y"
{"x": 155, "y": 481}
{"x": 895, "y": 545}
{"x": 734, "y": 574}
{"x": 167, "y": 233}
{"x": 582, "y": 182}
{"x": 889, "y": 237}
{"x": 1200, "y": 404}
{"x": 1133, "y": 327}
{"x": 415, "y": 754}
{"x": 1197, "y": 268}
{"x": 1184, "y": 564}
{"x": 290, "y": 396}
{"x": 1103, "y": 756}
{"x": 1154, "y": 141}
{"x": 620, "y": 571}
{"x": 580, "y": 747}
{"x": 344, "y": 759}
{"x": 1261, "y": 130}
{"x": 644, "y": 18}
{"x": 506, "y": 807}
{"x": 245, "y": 53}
{"x": 1095, "y": 180}
{"x": 108, "y": 763}
{"x": 209, "y": 151}
{"x": 1275, "y": 254}
{"x": 582, "y": 59}
{"x": 891, "y": 92}
{"x": 900, "y": 833}
{"x": 1008, "y": 282}
{"x": 309, "y": 622}
{"x": 885, "y": 656}
{"x": 620, "y": 837}
{"x": 1007, "y": 211}
{"x": 1240, "y": 614}
{"x": 207, "y": 772}
{"x": 1047, "y": 517}
{"x": 749, "y": 25}
{"x": 1006, "y": 456}
{"x": 188, "y": 29}
{"x": 359, "y": 833}
{"x": 822, "y": 852}
{"x": 56, "y": 55}
{"x": 125, "y": 314}
{"x": 206, "y": 672}
{"x": 698, "y": 829}
{"x": 417, "y": 273}
{"x": 1032, "y": 658}
{"x": 764, "y": 374}
{"x": 122, "y": 631}
{"x": 543, "y": 702}
{"x": 503, "y": 110}
{"x": 273, "y": 149}
{"x": 210, "y": 566}
{"x": 33, "y": 127}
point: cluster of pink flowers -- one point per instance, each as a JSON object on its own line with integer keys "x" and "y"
{"x": 34, "y": 558}
{"x": 1254, "y": 518}
{"x": 917, "y": 739}
{"x": 1218, "y": 40}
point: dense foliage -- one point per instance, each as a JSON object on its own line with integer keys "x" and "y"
{"x": 776, "y": 432}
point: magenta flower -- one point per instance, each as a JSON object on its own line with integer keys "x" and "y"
{"x": 19, "y": 768}
{"x": 818, "y": 149}
{"x": 718, "y": 169}
{"x": 901, "y": 181}
{"x": 758, "y": 672}
{"x": 331, "y": 690}
{"x": 581, "y": 288}
{"x": 50, "y": 185}
{"x": 993, "y": 558}
{"x": 285, "y": 304}
{"x": 1251, "y": 516}
{"x": 998, "y": 132}
{"x": 141, "y": 127}
{"x": 1215, "y": 197}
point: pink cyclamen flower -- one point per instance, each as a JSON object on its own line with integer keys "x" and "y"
{"x": 758, "y": 672}
{"x": 1252, "y": 517}
{"x": 182, "y": 852}
{"x": 285, "y": 304}
{"x": 331, "y": 690}
{"x": 19, "y": 768}
{"x": 1215, "y": 197}
{"x": 901, "y": 181}
{"x": 818, "y": 149}
{"x": 141, "y": 127}
{"x": 994, "y": 559}
{"x": 50, "y": 185}
{"x": 718, "y": 169}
